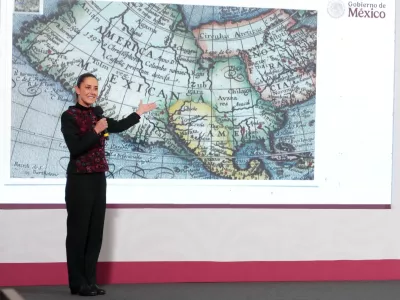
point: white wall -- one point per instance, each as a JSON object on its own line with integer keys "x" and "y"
{"x": 217, "y": 234}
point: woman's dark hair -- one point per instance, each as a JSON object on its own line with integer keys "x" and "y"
{"x": 81, "y": 79}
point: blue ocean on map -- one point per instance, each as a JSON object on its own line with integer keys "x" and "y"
{"x": 195, "y": 15}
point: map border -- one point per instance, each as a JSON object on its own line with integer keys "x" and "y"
{"x": 315, "y": 182}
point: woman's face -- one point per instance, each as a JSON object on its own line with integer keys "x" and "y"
{"x": 87, "y": 91}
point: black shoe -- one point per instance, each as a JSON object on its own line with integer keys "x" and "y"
{"x": 98, "y": 290}
{"x": 84, "y": 290}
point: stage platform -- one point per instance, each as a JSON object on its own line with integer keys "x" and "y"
{"x": 377, "y": 290}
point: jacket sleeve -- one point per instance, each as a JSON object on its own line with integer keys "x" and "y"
{"x": 123, "y": 124}
{"x": 77, "y": 144}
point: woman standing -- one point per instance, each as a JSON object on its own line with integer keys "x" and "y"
{"x": 85, "y": 191}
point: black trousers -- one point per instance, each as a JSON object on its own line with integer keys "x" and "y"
{"x": 85, "y": 197}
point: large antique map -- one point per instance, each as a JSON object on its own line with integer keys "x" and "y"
{"x": 235, "y": 88}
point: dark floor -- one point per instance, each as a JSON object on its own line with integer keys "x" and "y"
{"x": 384, "y": 290}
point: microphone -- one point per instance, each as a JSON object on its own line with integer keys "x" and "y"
{"x": 98, "y": 111}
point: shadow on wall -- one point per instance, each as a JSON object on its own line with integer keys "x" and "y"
{"x": 104, "y": 269}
